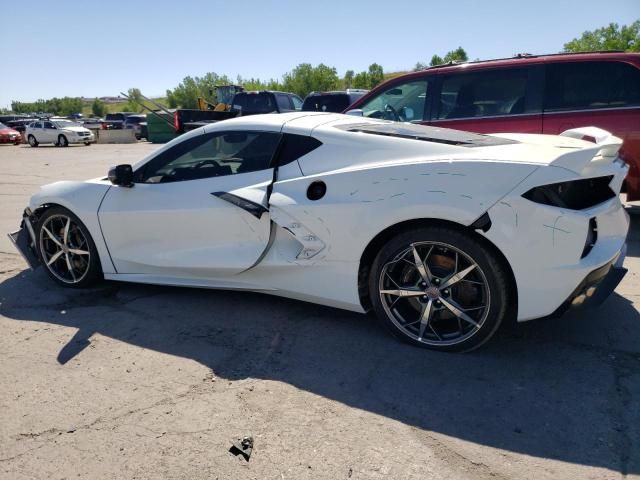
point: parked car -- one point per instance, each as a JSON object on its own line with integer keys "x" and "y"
{"x": 9, "y": 135}
{"x": 331, "y": 102}
{"x": 528, "y": 94}
{"x": 133, "y": 122}
{"x": 93, "y": 123}
{"x": 115, "y": 121}
{"x": 265, "y": 101}
{"x": 443, "y": 233}
{"x": 59, "y": 132}
{"x": 20, "y": 125}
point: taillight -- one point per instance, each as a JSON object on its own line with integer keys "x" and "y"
{"x": 574, "y": 195}
{"x": 176, "y": 121}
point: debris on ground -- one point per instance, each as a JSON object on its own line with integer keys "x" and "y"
{"x": 242, "y": 446}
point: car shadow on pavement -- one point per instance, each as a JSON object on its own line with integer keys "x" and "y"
{"x": 559, "y": 389}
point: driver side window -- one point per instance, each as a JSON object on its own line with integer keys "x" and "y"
{"x": 211, "y": 155}
{"x": 403, "y": 102}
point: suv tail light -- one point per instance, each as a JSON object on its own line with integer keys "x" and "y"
{"x": 176, "y": 121}
{"x": 574, "y": 195}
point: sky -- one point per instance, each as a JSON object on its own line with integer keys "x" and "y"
{"x": 77, "y": 48}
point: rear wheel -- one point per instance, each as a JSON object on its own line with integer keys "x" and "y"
{"x": 439, "y": 288}
{"x": 62, "y": 141}
{"x": 67, "y": 250}
{"x": 32, "y": 141}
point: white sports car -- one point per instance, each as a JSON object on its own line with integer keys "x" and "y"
{"x": 444, "y": 234}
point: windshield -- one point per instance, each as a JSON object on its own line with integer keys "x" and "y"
{"x": 2, "y": 125}
{"x": 65, "y": 123}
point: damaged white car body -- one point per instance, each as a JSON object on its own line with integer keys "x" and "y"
{"x": 445, "y": 234}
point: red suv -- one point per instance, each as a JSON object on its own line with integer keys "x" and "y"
{"x": 525, "y": 94}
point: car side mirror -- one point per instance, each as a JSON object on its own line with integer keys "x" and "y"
{"x": 356, "y": 112}
{"x": 121, "y": 175}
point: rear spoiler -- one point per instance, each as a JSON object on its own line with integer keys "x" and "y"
{"x": 605, "y": 149}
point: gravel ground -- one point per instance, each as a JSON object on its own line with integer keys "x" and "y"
{"x": 129, "y": 381}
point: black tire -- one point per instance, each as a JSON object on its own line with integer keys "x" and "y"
{"x": 32, "y": 141}
{"x": 62, "y": 141}
{"x": 486, "y": 283}
{"x": 91, "y": 268}
{"x": 88, "y": 144}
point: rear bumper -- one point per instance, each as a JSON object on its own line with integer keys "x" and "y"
{"x": 596, "y": 286}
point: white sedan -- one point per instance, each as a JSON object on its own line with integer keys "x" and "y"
{"x": 59, "y": 132}
{"x": 444, "y": 234}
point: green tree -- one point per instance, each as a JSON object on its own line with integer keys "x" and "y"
{"x": 258, "y": 84}
{"x": 58, "y": 106}
{"x": 611, "y": 37}
{"x": 436, "y": 60}
{"x": 186, "y": 94}
{"x": 172, "y": 101}
{"x": 420, "y": 66}
{"x": 134, "y": 102}
{"x": 376, "y": 75}
{"x": 457, "y": 55}
{"x": 348, "y": 78}
{"x": 361, "y": 80}
{"x": 305, "y": 79}
{"x": 98, "y": 108}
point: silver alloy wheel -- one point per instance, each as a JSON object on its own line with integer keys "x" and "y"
{"x": 32, "y": 141}
{"x": 62, "y": 141}
{"x": 435, "y": 293}
{"x": 65, "y": 249}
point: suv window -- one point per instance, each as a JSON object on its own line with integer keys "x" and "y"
{"x": 211, "y": 155}
{"x": 587, "y": 85}
{"x": 284, "y": 104}
{"x": 483, "y": 94}
{"x": 297, "y": 102}
{"x": 48, "y": 125}
{"x": 252, "y": 103}
{"x": 403, "y": 102}
{"x": 329, "y": 102}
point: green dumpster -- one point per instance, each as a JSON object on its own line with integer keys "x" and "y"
{"x": 159, "y": 130}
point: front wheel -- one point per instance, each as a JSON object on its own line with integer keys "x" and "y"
{"x": 67, "y": 250}
{"x": 32, "y": 141}
{"x": 62, "y": 141}
{"x": 439, "y": 288}
{"x": 87, "y": 143}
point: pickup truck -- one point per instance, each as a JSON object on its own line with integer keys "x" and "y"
{"x": 186, "y": 119}
{"x": 243, "y": 103}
